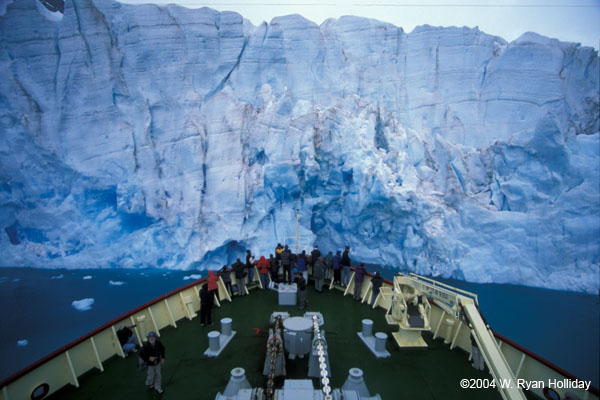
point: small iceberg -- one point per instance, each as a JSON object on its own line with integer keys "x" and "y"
{"x": 193, "y": 276}
{"x": 87, "y": 277}
{"x": 57, "y": 276}
{"x": 23, "y": 343}
{"x": 116, "y": 283}
{"x": 83, "y": 304}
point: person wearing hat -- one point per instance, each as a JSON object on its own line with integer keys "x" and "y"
{"x": 153, "y": 354}
{"x": 376, "y": 281}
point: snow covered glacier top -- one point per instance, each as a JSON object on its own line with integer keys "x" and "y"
{"x": 162, "y": 136}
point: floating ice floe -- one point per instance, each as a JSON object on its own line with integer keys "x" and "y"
{"x": 23, "y": 343}
{"x": 57, "y": 276}
{"x": 87, "y": 277}
{"x": 83, "y": 304}
{"x": 193, "y": 276}
{"x": 116, "y": 283}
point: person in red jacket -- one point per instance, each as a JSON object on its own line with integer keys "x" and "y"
{"x": 213, "y": 283}
{"x": 263, "y": 269}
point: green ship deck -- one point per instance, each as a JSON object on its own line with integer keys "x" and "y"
{"x": 433, "y": 373}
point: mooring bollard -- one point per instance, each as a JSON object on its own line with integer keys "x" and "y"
{"x": 380, "y": 339}
{"x": 213, "y": 340}
{"x": 367, "y": 327}
{"x": 226, "y": 326}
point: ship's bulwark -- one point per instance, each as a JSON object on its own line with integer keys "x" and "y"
{"x": 187, "y": 374}
{"x": 144, "y": 135}
{"x": 41, "y": 312}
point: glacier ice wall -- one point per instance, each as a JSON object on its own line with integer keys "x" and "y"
{"x": 161, "y": 136}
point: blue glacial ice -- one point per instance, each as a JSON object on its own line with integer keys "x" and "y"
{"x": 135, "y": 136}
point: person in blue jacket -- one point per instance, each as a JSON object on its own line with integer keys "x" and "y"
{"x": 301, "y": 265}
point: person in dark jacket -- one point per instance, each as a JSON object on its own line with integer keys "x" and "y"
{"x": 319, "y": 274}
{"x": 153, "y": 354}
{"x": 250, "y": 266}
{"x": 346, "y": 266}
{"x": 301, "y": 291}
{"x": 359, "y": 278}
{"x": 286, "y": 263}
{"x": 314, "y": 255}
{"x": 337, "y": 265}
{"x": 226, "y": 276}
{"x": 127, "y": 339}
{"x": 240, "y": 277}
{"x": 206, "y": 304}
{"x": 274, "y": 268}
{"x": 376, "y": 281}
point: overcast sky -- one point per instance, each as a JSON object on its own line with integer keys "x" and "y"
{"x": 572, "y": 21}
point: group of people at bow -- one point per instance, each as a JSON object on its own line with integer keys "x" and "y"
{"x": 281, "y": 267}
{"x": 287, "y": 267}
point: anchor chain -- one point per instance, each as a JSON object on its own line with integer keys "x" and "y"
{"x": 275, "y": 348}
{"x": 322, "y": 365}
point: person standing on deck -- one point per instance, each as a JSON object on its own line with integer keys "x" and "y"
{"x": 286, "y": 263}
{"x": 153, "y": 354}
{"x": 263, "y": 270}
{"x": 278, "y": 251}
{"x": 127, "y": 339}
{"x": 213, "y": 283}
{"x": 250, "y": 266}
{"x": 337, "y": 265}
{"x": 346, "y": 266}
{"x": 240, "y": 277}
{"x": 329, "y": 265}
{"x": 274, "y": 267}
{"x": 376, "y": 281}
{"x": 314, "y": 256}
{"x": 319, "y": 274}
{"x": 301, "y": 291}
{"x": 226, "y": 276}
{"x": 359, "y": 278}
{"x": 207, "y": 299}
{"x": 302, "y": 267}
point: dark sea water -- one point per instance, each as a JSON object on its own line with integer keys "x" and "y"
{"x": 562, "y": 327}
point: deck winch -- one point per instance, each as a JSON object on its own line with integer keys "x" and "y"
{"x": 301, "y": 335}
